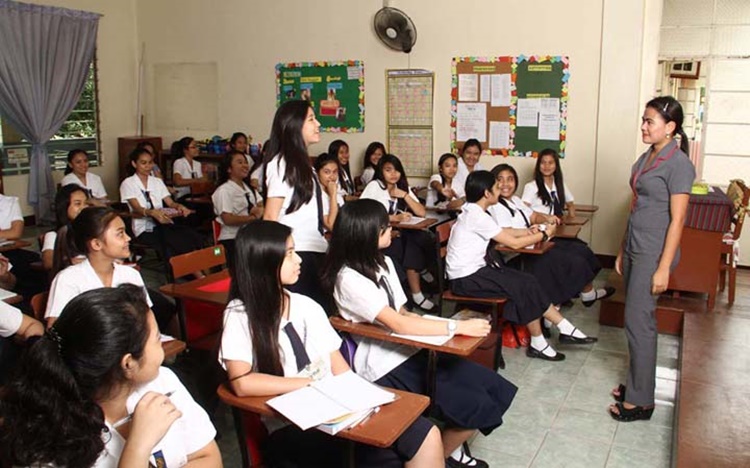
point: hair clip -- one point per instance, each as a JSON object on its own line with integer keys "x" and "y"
{"x": 664, "y": 109}
{"x": 55, "y": 337}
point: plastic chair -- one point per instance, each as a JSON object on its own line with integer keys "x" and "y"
{"x": 216, "y": 230}
{"x": 39, "y": 305}
{"x": 740, "y": 195}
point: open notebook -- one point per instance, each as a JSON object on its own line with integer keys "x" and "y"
{"x": 334, "y": 399}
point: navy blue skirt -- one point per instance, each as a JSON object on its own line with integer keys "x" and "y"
{"x": 560, "y": 272}
{"x": 467, "y": 395}
{"x": 527, "y": 300}
{"x": 580, "y": 249}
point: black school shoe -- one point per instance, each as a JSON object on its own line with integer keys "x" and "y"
{"x": 534, "y": 353}
{"x": 570, "y": 339}
{"x": 608, "y": 291}
{"x": 451, "y": 462}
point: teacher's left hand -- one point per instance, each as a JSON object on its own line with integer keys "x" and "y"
{"x": 659, "y": 281}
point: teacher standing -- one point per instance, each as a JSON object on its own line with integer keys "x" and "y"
{"x": 661, "y": 180}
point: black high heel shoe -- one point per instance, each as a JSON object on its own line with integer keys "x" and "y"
{"x": 620, "y": 395}
{"x": 638, "y": 413}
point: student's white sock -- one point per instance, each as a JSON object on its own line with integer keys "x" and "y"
{"x": 567, "y": 328}
{"x": 593, "y": 295}
{"x": 459, "y": 456}
{"x": 421, "y": 301}
{"x": 540, "y": 344}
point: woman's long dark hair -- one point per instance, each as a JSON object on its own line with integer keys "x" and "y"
{"x": 558, "y": 176}
{"x": 72, "y": 154}
{"x": 355, "y": 241}
{"x": 286, "y": 141}
{"x": 403, "y": 182}
{"x": 671, "y": 111}
{"x": 333, "y": 151}
{"x": 260, "y": 248}
{"x": 65, "y": 248}
{"x": 443, "y": 158}
{"x": 495, "y": 172}
{"x": 371, "y": 148}
{"x": 49, "y": 411}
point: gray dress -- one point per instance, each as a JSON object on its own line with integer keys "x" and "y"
{"x": 670, "y": 173}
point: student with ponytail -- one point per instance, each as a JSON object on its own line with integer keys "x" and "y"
{"x": 91, "y": 392}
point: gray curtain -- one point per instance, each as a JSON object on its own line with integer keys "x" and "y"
{"x": 45, "y": 54}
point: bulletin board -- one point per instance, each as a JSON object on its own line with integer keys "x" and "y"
{"x": 409, "y": 119}
{"x": 514, "y": 105}
{"x": 335, "y": 89}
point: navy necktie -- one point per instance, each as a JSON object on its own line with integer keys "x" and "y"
{"x": 319, "y": 202}
{"x": 300, "y": 354}
{"x": 556, "y": 203}
{"x": 383, "y": 283}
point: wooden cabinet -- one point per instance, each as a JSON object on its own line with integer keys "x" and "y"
{"x": 127, "y": 144}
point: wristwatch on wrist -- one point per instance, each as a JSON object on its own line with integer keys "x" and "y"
{"x": 545, "y": 237}
{"x": 452, "y": 327}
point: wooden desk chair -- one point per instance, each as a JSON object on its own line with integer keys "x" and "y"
{"x": 740, "y": 196}
{"x": 251, "y": 433}
{"x": 39, "y": 305}
{"x": 200, "y": 322}
{"x": 215, "y": 230}
{"x": 496, "y": 304}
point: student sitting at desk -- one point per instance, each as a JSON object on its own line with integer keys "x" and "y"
{"x": 440, "y": 192}
{"x": 365, "y": 286}
{"x": 91, "y": 392}
{"x": 373, "y": 153}
{"x": 562, "y": 273}
{"x": 275, "y": 341}
{"x": 100, "y": 233}
{"x": 185, "y": 170}
{"x": 469, "y": 162}
{"x": 339, "y": 150}
{"x": 146, "y": 197}
{"x": 69, "y": 201}
{"x": 235, "y": 204}
{"x": 155, "y": 169}
{"x": 77, "y": 172}
{"x": 415, "y": 249}
{"x": 327, "y": 169}
{"x": 14, "y": 324}
{"x": 28, "y": 281}
{"x": 547, "y": 193}
{"x": 474, "y": 272}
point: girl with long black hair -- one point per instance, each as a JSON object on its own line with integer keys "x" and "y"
{"x": 69, "y": 201}
{"x": 293, "y": 195}
{"x": 373, "y": 153}
{"x": 547, "y": 194}
{"x": 339, "y": 150}
{"x": 77, "y": 172}
{"x": 275, "y": 341}
{"x": 440, "y": 192}
{"x": 91, "y": 392}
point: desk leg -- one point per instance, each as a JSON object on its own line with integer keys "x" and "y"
{"x": 432, "y": 358}
{"x": 349, "y": 456}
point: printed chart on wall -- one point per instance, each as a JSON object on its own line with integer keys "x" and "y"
{"x": 335, "y": 89}
{"x": 514, "y": 105}
{"x": 410, "y": 94}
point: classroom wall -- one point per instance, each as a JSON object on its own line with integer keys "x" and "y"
{"x": 116, "y": 51}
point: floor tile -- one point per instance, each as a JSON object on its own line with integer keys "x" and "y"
{"x": 596, "y": 426}
{"x": 522, "y": 442}
{"x": 611, "y": 339}
{"x": 562, "y": 451}
{"x": 494, "y": 458}
{"x": 528, "y": 412}
{"x": 642, "y": 435}
{"x": 607, "y": 360}
{"x": 545, "y": 385}
{"x": 622, "y": 457}
{"x": 590, "y": 396}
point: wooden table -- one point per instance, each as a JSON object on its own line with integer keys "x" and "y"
{"x": 17, "y": 244}
{"x": 427, "y": 222}
{"x": 173, "y": 347}
{"x": 381, "y": 430}
{"x": 586, "y": 208}
{"x": 538, "y": 249}
{"x": 574, "y": 221}
{"x": 191, "y": 289}
{"x": 567, "y": 231}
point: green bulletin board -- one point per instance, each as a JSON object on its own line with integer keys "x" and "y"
{"x": 515, "y": 105}
{"x": 335, "y": 89}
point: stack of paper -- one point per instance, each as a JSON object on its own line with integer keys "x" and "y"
{"x": 345, "y": 398}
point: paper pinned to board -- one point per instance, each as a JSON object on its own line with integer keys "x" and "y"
{"x": 485, "y": 88}
{"x": 499, "y": 134}
{"x": 471, "y": 121}
{"x": 467, "y": 87}
{"x": 527, "y": 112}
{"x": 500, "y": 90}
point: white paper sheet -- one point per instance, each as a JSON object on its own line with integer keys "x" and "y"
{"x": 412, "y": 221}
{"x": 549, "y": 127}
{"x": 527, "y": 112}
{"x": 499, "y": 134}
{"x": 500, "y": 90}
{"x": 354, "y": 392}
{"x": 485, "y": 90}
{"x": 467, "y": 87}
{"x": 471, "y": 121}
{"x": 549, "y": 106}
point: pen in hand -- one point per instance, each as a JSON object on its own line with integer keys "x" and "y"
{"x": 129, "y": 417}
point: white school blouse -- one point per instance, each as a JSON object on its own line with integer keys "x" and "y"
{"x": 190, "y": 433}
{"x": 459, "y": 181}
{"x": 10, "y": 211}
{"x": 93, "y": 183}
{"x": 367, "y": 175}
{"x": 132, "y": 187}
{"x": 230, "y": 198}
{"x": 304, "y": 221}
{"x": 376, "y": 190}
{"x": 10, "y": 319}
{"x": 531, "y": 197}
{"x": 360, "y": 300}
{"x": 77, "y": 279}
{"x": 187, "y": 171}
{"x": 467, "y": 245}
{"x": 504, "y": 218}
{"x": 432, "y": 194}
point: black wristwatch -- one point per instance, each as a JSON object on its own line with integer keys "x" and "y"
{"x": 545, "y": 237}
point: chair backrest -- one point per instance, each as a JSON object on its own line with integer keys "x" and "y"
{"x": 201, "y": 188}
{"x": 442, "y": 234}
{"x": 39, "y": 305}
{"x": 740, "y": 196}
{"x": 197, "y": 260}
{"x": 216, "y": 230}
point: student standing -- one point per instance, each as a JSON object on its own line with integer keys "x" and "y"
{"x": 235, "y": 203}
{"x": 275, "y": 341}
{"x": 293, "y": 195}
{"x": 468, "y": 397}
{"x": 415, "y": 249}
{"x": 77, "y": 172}
{"x": 661, "y": 181}
{"x": 474, "y": 272}
{"x": 373, "y": 153}
{"x": 440, "y": 191}
{"x": 469, "y": 162}
{"x": 91, "y": 392}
